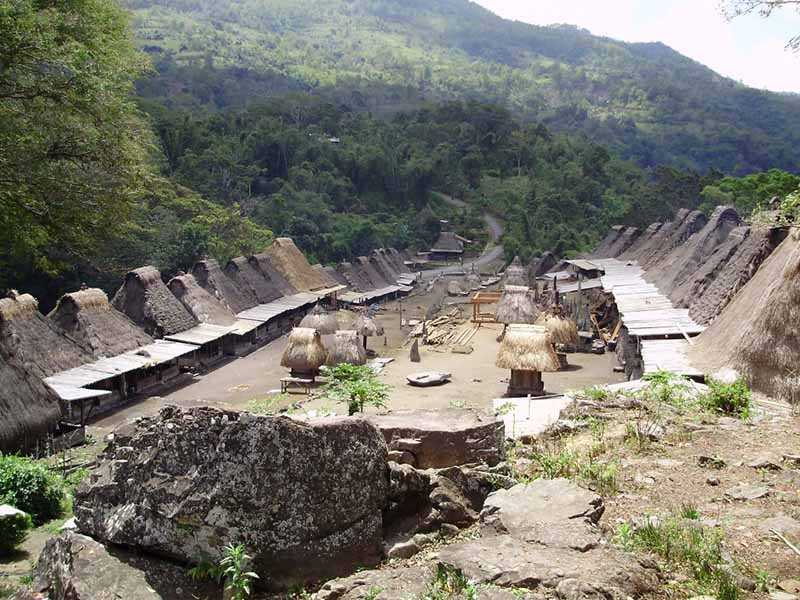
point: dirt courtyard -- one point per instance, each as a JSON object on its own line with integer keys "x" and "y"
{"x": 475, "y": 380}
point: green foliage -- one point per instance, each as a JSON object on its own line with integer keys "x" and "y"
{"x": 13, "y": 531}
{"x": 748, "y": 193}
{"x": 449, "y": 583}
{"x": 234, "y": 563}
{"x": 355, "y": 385}
{"x": 684, "y": 543}
{"x": 645, "y": 101}
{"x": 206, "y": 571}
{"x": 729, "y": 398}
{"x": 268, "y": 405}
{"x": 667, "y": 388}
{"x": 789, "y": 209}
{"x": 29, "y": 486}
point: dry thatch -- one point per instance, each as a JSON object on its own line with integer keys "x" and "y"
{"x": 516, "y": 274}
{"x": 336, "y": 276}
{"x": 293, "y": 265}
{"x": 325, "y": 275}
{"x": 371, "y": 273}
{"x": 527, "y": 348}
{"x": 758, "y": 333}
{"x": 448, "y": 242}
{"x": 560, "y": 329}
{"x": 150, "y": 304}
{"x": 397, "y": 260}
{"x": 34, "y": 342}
{"x": 384, "y": 266}
{"x": 30, "y": 409}
{"x": 304, "y": 351}
{"x": 205, "y": 307}
{"x": 356, "y": 278}
{"x": 516, "y": 305}
{"x": 541, "y": 265}
{"x": 367, "y": 326}
{"x": 321, "y": 320}
{"x": 88, "y": 317}
{"x": 346, "y": 348}
{"x": 210, "y": 276}
{"x": 248, "y": 277}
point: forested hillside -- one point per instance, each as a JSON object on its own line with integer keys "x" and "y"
{"x": 644, "y": 101}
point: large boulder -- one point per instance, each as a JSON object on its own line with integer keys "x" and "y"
{"x": 304, "y": 498}
{"x": 443, "y": 438}
{"x": 76, "y": 567}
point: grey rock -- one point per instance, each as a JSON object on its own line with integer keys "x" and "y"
{"x": 747, "y": 492}
{"x": 713, "y": 462}
{"x": 443, "y": 438}
{"x": 783, "y": 524}
{"x": 508, "y": 562}
{"x": 555, "y": 513}
{"x": 766, "y": 462}
{"x": 713, "y": 481}
{"x": 304, "y": 498}
{"x": 403, "y": 457}
{"x": 451, "y": 504}
{"x": 780, "y": 595}
{"x": 405, "y": 582}
{"x": 403, "y": 550}
{"x": 447, "y": 530}
{"x": 76, "y": 567}
{"x": 790, "y": 586}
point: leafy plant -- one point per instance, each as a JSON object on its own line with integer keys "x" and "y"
{"x": 729, "y": 398}
{"x": 206, "y": 570}
{"x": 267, "y": 405}
{"x": 448, "y": 583}
{"x": 355, "y": 385}
{"x": 234, "y": 564}
{"x": 13, "y": 531}
{"x": 602, "y": 477}
{"x": 29, "y": 486}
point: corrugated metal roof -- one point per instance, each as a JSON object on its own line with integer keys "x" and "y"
{"x": 70, "y": 394}
{"x": 245, "y": 326}
{"x": 584, "y": 264}
{"x": 271, "y": 310}
{"x": 202, "y": 334}
{"x": 586, "y": 284}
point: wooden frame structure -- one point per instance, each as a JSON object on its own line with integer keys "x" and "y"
{"x": 480, "y": 298}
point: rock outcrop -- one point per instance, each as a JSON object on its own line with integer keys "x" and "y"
{"x": 443, "y": 438}
{"x": 304, "y": 498}
{"x": 76, "y": 567}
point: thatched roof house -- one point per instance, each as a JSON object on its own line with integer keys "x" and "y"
{"x": 371, "y": 273}
{"x": 264, "y": 264}
{"x": 205, "y": 307}
{"x": 34, "y": 341}
{"x": 515, "y": 273}
{"x": 150, "y": 304}
{"x": 448, "y": 243}
{"x": 30, "y": 409}
{"x": 633, "y": 250}
{"x": 304, "y": 351}
{"x": 398, "y": 261}
{"x": 336, "y": 276}
{"x": 601, "y": 251}
{"x": 561, "y": 329}
{"x": 87, "y": 316}
{"x": 247, "y": 277}
{"x": 758, "y": 333}
{"x": 211, "y": 278}
{"x": 346, "y": 348}
{"x": 541, "y": 265}
{"x": 516, "y": 305}
{"x": 384, "y": 265}
{"x": 527, "y": 348}
{"x": 321, "y": 320}
{"x": 293, "y": 265}
{"x": 356, "y": 278}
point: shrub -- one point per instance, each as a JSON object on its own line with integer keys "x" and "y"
{"x": 13, "y": 530}
{"x": 31, "y": 487}
{"x": 355, "y": 385}
{"x": 729, "y": 398}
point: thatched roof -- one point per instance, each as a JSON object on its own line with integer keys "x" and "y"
{"x": 601, "y": 251}
{"x": 210, "y": 276}
{"x": 356, "y": 278}
{"x": 516, "y": 305}
{"x": 367, "y": 326}
{"x": 321, "y": 320}
{"x": 384, "y": 266}
{"x": 371, "y": 273}
{"x": 397, "y": 260}
{"x": 87, "y": 316}
{"x": 205, "y": 307}
{"x": 527, "y": 348}
{"x": 346, "y": 348}
{"x": 758, "y": 333}
{"x": 693, "y": 222}
{"x": 325, "y": 275}
{"x": 247, "y": 277}
{"x": 293, "y": 265}
{"x": 624, "y": 241}
{"x": 515, "y": 273}
{"x": 541, "y": 265}
{"x": 150, "y": 304}
{"x": 30, "y": 409}
{"x": 336, "y": 276}
{"x": 561, "y": 329}
{"x": 633, "y": 250}
{"x": 34, "y": 341}
{"x": 264, "y": 264}
{"x": 304, "y": 350}
{"x": 448, "y": 242}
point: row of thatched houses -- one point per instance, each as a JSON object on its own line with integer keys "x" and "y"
{"x": 90, "y": 354}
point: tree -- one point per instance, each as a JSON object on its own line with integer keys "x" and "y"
{"x": 73, "y": 148}
{"x": 736, "y": 8}
{"x": 355, "y": 385}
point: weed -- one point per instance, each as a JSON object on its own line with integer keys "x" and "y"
{"x": 449, "y": 583}
{"x": 689, "y": 511}
{"x": 554, "y": 463}
{"x": 595, "y": 393}
{"x": 684, "y": 544}
{"x": 268, "y": 405}
{"x": 635, "y": 436}
{"x": 373, "y": 593}
{"x": 601, "y": 477}
{"x": 457, "y": 403}
{"x": 234, "y": 563}
{"x": 30, "y": 486}
{"x": 206, "y": 571}
{"x": 729, "y": 398}
{"x": 764, "y": 581}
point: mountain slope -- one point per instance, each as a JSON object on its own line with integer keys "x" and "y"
{"x": 645, "y": 101}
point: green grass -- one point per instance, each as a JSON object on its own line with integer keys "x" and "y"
{"x": 733, "y": 399}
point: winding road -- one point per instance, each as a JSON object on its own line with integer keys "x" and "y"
{"x": 493, "y": 251}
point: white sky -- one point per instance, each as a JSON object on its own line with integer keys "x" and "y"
{"x": 750, "y": 49}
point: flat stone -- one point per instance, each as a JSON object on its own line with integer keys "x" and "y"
{"x": 403, "y": 550}
{"x": 306, "y": 498}
{"x": 508, "y": 562}
{"x": 779, "y": 595}
{"x": 783, "y": 524}
{"x": 767, "y": 462}
{"x": 748, "y": 492}
{"x": 555, "y": 513}
{"x": 404, "y": 582}
{"x": 445, "y": 437}
{"x": 790, "y": 586}
{"x": 76, "y": 567}
{"x": 713, "y": 462}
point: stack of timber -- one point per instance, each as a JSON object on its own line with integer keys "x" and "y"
{"x": 448, "y": 329}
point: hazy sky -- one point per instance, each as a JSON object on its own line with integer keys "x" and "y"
{"x": 749, "y": 49}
